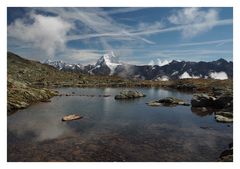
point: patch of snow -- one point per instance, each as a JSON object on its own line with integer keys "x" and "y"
{"x": 185, "y": 75}
{"x": 90, "y": 71}
{"x": 218, "y": 75}
{"x": 163, "y": 78}
{"x": 174, "y": 73}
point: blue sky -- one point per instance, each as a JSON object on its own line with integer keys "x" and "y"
{"x": 136, "y": 35}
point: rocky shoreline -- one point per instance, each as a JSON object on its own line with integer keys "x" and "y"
{"x": 20, "y": 95}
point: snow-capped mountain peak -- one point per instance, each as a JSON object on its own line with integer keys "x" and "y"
{"x": 62, "y": 65}
{"x": 110, "y": 60}
{"x": 57, "y": 64}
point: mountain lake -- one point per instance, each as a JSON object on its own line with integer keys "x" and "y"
{"x": 115, "y": 130}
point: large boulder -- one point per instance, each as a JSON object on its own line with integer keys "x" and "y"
{"x": 129, "y": 94}
{"x": 202, "y": 100}
{"x": 225, "y": 100}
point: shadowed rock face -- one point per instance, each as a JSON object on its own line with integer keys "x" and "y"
{"x": 129, "y": 94}
{"x": 202, "y": 100}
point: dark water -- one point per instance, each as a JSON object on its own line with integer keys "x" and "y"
{"x": 114, "y": 130}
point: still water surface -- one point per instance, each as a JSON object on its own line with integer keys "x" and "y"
{"x": 114, "y": 130}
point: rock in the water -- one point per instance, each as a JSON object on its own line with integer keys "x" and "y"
{"x": 223, "y": 119}
{"x": 129, "y": 94}
{"x": 202, "y": 100}
{"x": 71, "y": 117}
{"x": 168, "y": 101}
{"x": 154, "y": 103}
{"x": 172, "y": 100}
{"x": 225, "y": 114}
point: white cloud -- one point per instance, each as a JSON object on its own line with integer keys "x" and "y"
{"x": 196, "y": 20}
{"x": 81, "y": 56}
{"x": 151, "y": 63}
{"x": 217, "y": 42}
{"x": 163, "y": 63}
{"x": 218, "y": 75}
{"x": 103, "y": 26}
{"x": 124, "y": 10}
{"x": 45, "y": 32}
{"x": 183, "y": 27}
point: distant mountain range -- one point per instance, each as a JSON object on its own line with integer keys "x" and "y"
{"x": 109, "y": 64}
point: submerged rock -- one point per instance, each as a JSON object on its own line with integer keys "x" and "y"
{"x": 202, "y": 111}
{"x": 168, "y": 101}
{"x": 71, "y": 117}
{"x": 129, "y": 94}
